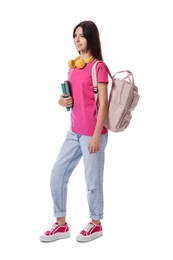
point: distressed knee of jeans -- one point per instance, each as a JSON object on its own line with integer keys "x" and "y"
{"x": 91, "y": 189}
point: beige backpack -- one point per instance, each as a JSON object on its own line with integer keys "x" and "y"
{"x": 123, "y": 98}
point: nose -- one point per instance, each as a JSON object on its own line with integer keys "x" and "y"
{"x": 77, "y": 38}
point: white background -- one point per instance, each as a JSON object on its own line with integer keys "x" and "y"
{"x": 36, "y": 44}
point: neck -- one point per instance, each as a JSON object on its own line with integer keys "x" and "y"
{"x": 89, "y": 59}
{"x": 85, "y": 55}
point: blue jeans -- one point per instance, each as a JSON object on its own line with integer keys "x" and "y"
{"x": 74, "y": 147}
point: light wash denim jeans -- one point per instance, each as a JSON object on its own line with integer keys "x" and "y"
{"x": 74, "y": 147}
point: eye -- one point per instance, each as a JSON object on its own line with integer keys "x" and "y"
{"x": 79, "y": 36}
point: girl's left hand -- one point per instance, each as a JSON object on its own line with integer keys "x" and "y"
{"x": 94, "y": 145}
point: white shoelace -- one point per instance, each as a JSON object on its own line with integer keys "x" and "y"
{"x": 53, "y": 227}
{"x": 88, "y": 227}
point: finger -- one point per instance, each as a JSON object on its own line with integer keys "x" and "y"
{"x": 89, "y": 149}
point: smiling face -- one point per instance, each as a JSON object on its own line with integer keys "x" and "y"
{"x": 87, "y": 40}
{"x": 80, "y": 41}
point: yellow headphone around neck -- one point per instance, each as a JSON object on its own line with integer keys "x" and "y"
{"x": 79, "y": 63}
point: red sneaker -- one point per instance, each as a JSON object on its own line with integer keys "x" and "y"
{"x": 90, "y": 232}
{"x": 56, "y": 231}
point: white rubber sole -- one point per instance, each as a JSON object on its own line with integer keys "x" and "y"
{"x": 93, "y": 236}
{"x": 44, "y": 238}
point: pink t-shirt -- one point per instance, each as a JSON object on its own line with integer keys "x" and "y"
{"x": 83, "y": 113}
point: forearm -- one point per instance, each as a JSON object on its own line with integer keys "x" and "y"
{"x": 94, "y": 145}
{"x": 101, "y": 115}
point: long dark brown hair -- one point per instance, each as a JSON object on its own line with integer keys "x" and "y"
{"x": 91, "y": 34}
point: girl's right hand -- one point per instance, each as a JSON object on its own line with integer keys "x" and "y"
{"x": 65, "y": 101}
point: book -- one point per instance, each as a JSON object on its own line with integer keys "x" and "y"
{"x": 67, "y": 87}
{"x": 66, "y": 90}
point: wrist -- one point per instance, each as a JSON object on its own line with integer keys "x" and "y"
{"x": 96, "y": 135}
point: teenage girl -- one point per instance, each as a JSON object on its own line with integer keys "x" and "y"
{"x": 86, "y": 138}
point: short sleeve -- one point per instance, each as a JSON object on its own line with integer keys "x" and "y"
{"x": 102, "y": 73}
